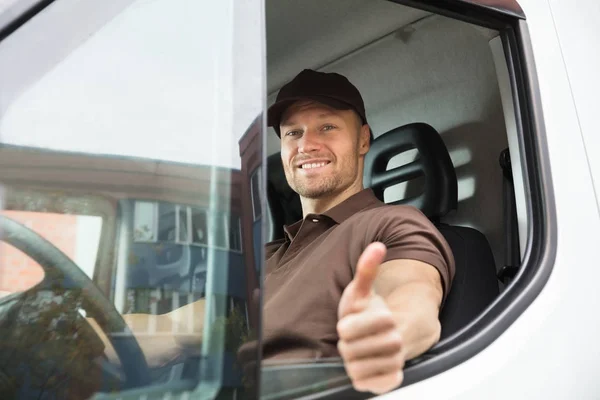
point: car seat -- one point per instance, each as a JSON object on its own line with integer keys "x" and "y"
{"x": 475, "y": 284}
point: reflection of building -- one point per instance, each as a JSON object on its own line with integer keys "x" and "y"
{"x": 168, "y": 258}
{"x": 251, "y": 145}
{"x": 18, "y": 271}
{"x": 145, "y": 230}
{"x": 148, "y": 226}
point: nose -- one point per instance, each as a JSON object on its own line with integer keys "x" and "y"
{"x": 309, "y": 142}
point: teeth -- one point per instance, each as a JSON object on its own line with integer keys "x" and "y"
{"x": 313, "y": 165}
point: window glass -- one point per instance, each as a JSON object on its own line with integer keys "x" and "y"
{"x": 77, "y": 236}
{"x": 256, "y": 187}
{"x": 167, "y": 222}
{"x": 182, "y": 224}
{"x": 6, "y": 4}
{"x": 235, "y": 233}
{"x": 220, "y": 228}
{"x": 18, "y": 271}
{"x": 199, "y": 227}
{"x": 145, "y": 227}
{"x": 121, "y": 129}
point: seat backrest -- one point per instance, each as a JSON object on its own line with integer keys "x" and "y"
{"x": 440, "y": 193}
{"x": 284, "y": 203}
{"x": 475, "y": 284}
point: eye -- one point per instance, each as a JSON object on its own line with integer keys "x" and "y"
{"x": 293, "y": 133}
{"x": 328, "y": 127}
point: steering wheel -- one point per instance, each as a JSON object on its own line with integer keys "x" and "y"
{"x": 53, "y": 260}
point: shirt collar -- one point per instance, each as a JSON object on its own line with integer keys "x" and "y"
{"x": 353, "y": 204}
{"x": 341, "y": 212}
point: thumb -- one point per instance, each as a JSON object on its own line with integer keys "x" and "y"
{"x": 366, "y": 269}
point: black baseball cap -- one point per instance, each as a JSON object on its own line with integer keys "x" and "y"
{"x": 329, "y": 88}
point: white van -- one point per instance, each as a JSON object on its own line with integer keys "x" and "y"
{"x": 138, "y": 176}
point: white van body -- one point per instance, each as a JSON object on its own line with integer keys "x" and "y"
{"x": 547, "y": 352}
{"x": 550, "y": 351}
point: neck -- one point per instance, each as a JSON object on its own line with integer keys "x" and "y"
{"x": 322, "y": 204}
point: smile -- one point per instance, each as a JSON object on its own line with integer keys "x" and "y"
{"x": 314, "y": 165}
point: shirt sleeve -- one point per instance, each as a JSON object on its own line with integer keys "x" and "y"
{"x": 409, "y": 234}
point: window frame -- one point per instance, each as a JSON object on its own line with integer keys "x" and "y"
{"x": 256, "y": 176}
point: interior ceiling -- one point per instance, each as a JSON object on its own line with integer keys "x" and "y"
{"x": 409, "y": 66}
{"x": 313, "y": 33}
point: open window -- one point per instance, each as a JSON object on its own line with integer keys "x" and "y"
{"x": 459, "y": 74}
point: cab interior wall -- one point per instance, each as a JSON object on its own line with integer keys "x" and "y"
{"x": 426, "y": 68}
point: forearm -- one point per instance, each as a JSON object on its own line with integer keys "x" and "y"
{"x": 161, "y": 337}
{"x": 188, "y": 322}
{"x": 415, "y": 307}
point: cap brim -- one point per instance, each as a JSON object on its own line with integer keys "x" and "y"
{"x": 276, "y": 111}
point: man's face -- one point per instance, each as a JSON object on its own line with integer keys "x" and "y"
{"x": 322, "y": 149}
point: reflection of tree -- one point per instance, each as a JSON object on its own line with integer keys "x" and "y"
{"x": 233, "y": 329}
{"x": 47, "y": 349}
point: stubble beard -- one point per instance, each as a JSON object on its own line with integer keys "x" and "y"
{"x": 325, "y": 187}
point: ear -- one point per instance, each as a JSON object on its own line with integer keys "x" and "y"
{"x": 365, "y": 139}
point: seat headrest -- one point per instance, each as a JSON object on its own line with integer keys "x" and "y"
{"x": 284, "y": 203}
{"x": 433, "y": 163}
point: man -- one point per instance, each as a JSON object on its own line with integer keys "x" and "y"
{"x": 358, "y": 278}
{"x": 355, "y": 278}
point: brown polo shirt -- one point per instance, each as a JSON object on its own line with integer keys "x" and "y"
{"x": 307, "y": 271}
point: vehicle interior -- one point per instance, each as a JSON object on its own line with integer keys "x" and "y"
{"x": 438, "y": 100}
{"x": 412, "y": 67}
{"x": 434, "y": 90}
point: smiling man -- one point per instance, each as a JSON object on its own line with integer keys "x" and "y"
{"x": 354, "y": 278}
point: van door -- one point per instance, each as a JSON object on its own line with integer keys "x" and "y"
{"x": 130, "y": 137}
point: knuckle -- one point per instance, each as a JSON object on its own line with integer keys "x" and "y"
{"x": 342, "y": 347}
{"x": 358, "y": 386}
{"x": 399, "y": 378}
{"x": 383, "y": 314}
{"x": 399, "y": 361}
{"x": 385, "y": 318}
{"x": 341, "y": 328}
{"x": 395, "y": 341}
{"x": 391, "y": 382}
{"x": 362, "y": 385}
{"x": 351, "y": 370}
{"x": 360, "y": 371}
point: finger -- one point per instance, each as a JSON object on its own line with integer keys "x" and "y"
{"x": 366, "y": 268}
{"x": 382, "y": 344}
{"x": 380, "y": 384}
{"x": 356, "y": 326}
{"x": 366, "y": 369}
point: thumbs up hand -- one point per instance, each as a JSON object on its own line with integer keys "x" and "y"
{"x": 370, "y": 342}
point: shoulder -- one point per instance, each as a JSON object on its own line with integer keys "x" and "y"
{"x": 387, "y": 215}
{"x": 408, "y": 234}
{"x": 397, "y": 226}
